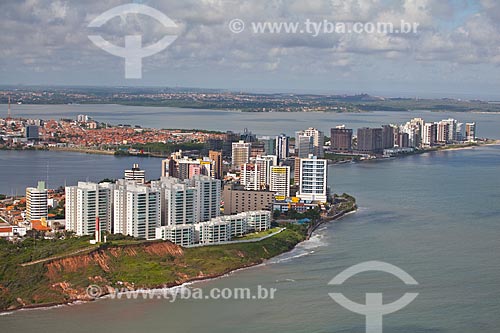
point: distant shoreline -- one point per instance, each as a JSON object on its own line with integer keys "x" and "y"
{"x": 208, "y": 108}
{"x": 464, "y": 146}
{"x": 491, "y": 142}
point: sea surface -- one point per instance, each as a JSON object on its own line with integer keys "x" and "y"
{"x": 436, "y": 216}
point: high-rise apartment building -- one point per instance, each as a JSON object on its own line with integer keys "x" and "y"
{"x": 443, "y": 132}
{"x": 32, "y": 132}
{"x": 208, "y": 197}
{"x": 88, "y": 204}
{"x": 304, "y": 145}
{"x": 341, "y": 139}
{"x": 251, "y": 176}
{"x": 313, "y": 179}
{"x": 240, "y": 154}
{"x": 282, "y": 147}
{"x": 370, "y": 140}
{"x": 317, "y": 142}
{"x": 470, "y": 131}
{"x": 137, "y": 210}
{"x": 178, "y": 201}
{"x": 36, "y": 202}
{"x": 429, "y": 134}
{"x": 135, "y": 174}
{"x": 280, "y": 181}
{"x": 216, "y": 157}
{"x": 387, "y": 136}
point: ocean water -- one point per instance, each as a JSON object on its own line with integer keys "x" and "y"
{"x": 437, "y": 216}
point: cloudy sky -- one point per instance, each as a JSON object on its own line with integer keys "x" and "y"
{"x": 455, "y": 51}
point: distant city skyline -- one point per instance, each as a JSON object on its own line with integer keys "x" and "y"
{"x": 454, "y": 53}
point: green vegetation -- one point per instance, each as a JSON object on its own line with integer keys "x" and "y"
{"x": 455, "y": 146}
{"x": 123, "y": 261}
{"x": 413, "y": 104}
{"x": 292, "y": 214}
{"x": 58, "y": 211}
{"x": 344, "y": 203}
{"x": 259, "y": 234}
{"x": 159, "y": 148}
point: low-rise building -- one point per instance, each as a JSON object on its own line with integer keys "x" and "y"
{"x": 237, "y": 199}
{"x": 214, "y": 231}
{"x": 183, "y": 235}
{"x": 259, "y": 220}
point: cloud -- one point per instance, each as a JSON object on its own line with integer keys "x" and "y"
{"x": 51, "y": 35}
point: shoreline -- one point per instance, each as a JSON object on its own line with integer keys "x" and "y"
{"x": 490, "y": 142}
{"x": 189, "y": 281}
{"x": 207, "y": 107}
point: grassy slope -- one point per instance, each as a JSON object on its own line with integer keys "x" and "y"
{"x": 144, "y": 265}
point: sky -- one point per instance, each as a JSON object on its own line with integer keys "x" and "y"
{"x": 455, "y": 51}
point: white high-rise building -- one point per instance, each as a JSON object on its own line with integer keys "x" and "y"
{"x": 313, "y": 179}
{"x": 137, "y": 210}
{"x": 36, "y": 202}
{"x": 460, "y": 132}
{"x": 282, "y": 146}
{"x": 251, "y": 175}
{"x": 135, "y": 174}
{"x": 179, "y": 202}
{"x": 267, "y": 161}
{"x": 256, "y": 174}
{"x": 280, "y": 181}
{"x": 303, "y": 145}
{"x": 443, "y": 132}
{"x": 208, "y": 196}
{"x": 185, "y": 204}
{"x": 89, "y": 203}
{"x": 453, "y": 127}
{"x": 470, "y": 131}
{"x": 240, "y": 153}
{"x": 429, "y": 134}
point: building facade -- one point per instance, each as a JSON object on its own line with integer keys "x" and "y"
{"x": 282, "y": 147}
{"x": 370, "y": 140}
{"x": 88, "y": 204}
{"x": 36, "y": 202}
{"x": 135, "y": 174}
{"x": 341, "y": 139}
{"x": 208, "y": 197}
{"x": 216, "y": 157}
{"x": 240, "y": 154}
{"x": 137, "y": 210}
{"x": 313, "y": 179}
{"x": 470, "y": 131}
{"x": 237, "y": 199}
{"x": 280, "y": 181}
